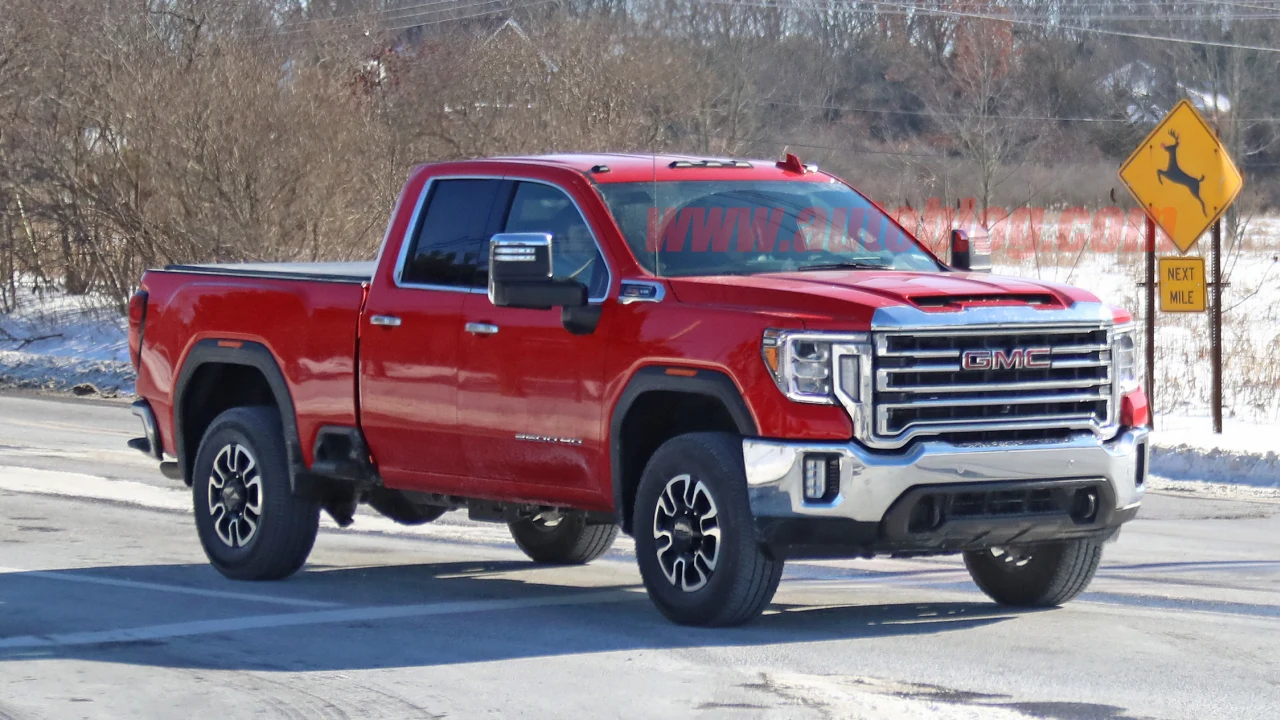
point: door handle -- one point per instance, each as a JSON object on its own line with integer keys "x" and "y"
{"x": 481, "y": 329}
{"x": 384, "y": 320}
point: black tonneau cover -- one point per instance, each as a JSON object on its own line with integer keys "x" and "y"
{"x": 341, "y": 272}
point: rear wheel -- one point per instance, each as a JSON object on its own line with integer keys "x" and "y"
{"x": 556, "y": 538}
{"x": 1038, "y": 576}
{"x": 696, "y": 540}
{"x": 250, "y": 524}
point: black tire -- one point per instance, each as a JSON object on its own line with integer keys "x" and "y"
{"x": 285, "y": 526}
{"x": 569, "y": 541}
{"x": 1040, "y": 576}
{"x": 697, "y": 478}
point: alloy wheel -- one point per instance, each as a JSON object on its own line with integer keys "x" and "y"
{"x": 235, "y": 496}
{"x": 686, "y": 531}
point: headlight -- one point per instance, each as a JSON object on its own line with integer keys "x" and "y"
{"x": 804, "y": 365}
{"x": 1124, "y": 358}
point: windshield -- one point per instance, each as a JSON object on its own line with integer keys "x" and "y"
{"x": 745, "y": 227}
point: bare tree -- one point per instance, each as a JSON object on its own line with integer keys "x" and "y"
{"x": 184, "y": 130}
{"x": 980, "y": 98}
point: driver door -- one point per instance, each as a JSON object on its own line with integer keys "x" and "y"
{"x": 530, "y": 394}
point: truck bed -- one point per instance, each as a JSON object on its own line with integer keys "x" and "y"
{"x": 302, "y": 315}
{"x": 340, "y": 272}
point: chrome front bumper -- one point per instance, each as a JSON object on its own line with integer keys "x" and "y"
{"x": 871, "y": 481}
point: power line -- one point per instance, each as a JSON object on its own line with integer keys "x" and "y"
{"x": 1039, "y": 22}
{"x": 423, "y": 9}
{"x": 420, "y": 19}
{"x": 964, "y": 116}
{"x": 1047, "y": 18}
{"x": 392, "y": 14}
{"x": 790, "y": 143}
{"x": 415, "y": 15}
{"x": 932, "y": 114}
{"x": 383, "y": 14}
{"x": 1056, "y": 9}
{"x": 1076, "y": 28}
{"x": 495, "y": 11}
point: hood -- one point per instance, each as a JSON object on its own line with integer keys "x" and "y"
{"x": 853, "y": 296}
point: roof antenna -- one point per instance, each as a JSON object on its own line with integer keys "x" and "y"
{"x": 792, "y": 164}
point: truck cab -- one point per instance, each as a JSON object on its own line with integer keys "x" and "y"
{"x": 735, "y": 362}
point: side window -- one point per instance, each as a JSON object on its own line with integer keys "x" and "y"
{"x": 451, "y": 247}
{"x": 542, "y": 208}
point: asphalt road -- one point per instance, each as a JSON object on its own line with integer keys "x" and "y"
{"x": 108, "y": 609}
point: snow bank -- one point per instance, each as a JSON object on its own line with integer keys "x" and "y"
{"x": 1185, "y": 448}
{"x": 63, "y": 374}
{"x": 54, "y": 341}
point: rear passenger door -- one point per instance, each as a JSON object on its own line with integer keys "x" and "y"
{"x": 409, "y": 352}
{"x": 530, "y": 394}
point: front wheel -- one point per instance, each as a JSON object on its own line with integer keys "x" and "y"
{"x": 249, "y": 521}
{"x": 554, "y": 538}
{"x": 696, "y": 541}
{"x": 1038, "y": 576}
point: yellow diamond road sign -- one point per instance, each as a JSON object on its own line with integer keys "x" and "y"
{"x": 1182, "y": 176}
{"x": 1182, "y": 284}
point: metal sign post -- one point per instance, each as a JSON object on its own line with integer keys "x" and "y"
{"x": 1149, "y": 347}
{"x": 1215, "y": 328}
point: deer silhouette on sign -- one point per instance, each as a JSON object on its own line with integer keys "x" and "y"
{"x": 1177, "y": 175}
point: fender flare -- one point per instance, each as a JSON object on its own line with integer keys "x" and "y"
{"x": 249, "y": 354}
{"x": 711, "y": 383}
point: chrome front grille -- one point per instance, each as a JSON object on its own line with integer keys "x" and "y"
{"x": 991, "y": 381}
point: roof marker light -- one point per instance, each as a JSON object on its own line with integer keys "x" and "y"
{"x": 681, "y": 164}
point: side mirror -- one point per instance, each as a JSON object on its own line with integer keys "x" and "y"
{"x": 971, "y": 251}
{"x": 520, "y": 274}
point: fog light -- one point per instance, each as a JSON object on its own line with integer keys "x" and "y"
{"x": 821, "y": 477}
{"x": 815, "y": 477}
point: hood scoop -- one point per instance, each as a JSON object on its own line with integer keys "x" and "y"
{"x": 960, "y": 302}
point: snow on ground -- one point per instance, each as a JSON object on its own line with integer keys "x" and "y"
{"x": 55, "y": 341}
{"x": 65, "y": 374}
{"x": 1184, "y": 450}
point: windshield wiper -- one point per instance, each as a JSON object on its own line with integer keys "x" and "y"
{"x": 848, "y": 265}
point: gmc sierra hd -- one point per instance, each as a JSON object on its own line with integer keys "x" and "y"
{"x": 734, "y": 362}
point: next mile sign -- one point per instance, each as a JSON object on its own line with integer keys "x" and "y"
{"x": 1182, "y": 284}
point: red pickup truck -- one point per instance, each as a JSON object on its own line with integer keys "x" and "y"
{"x": 734, "y": 362}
